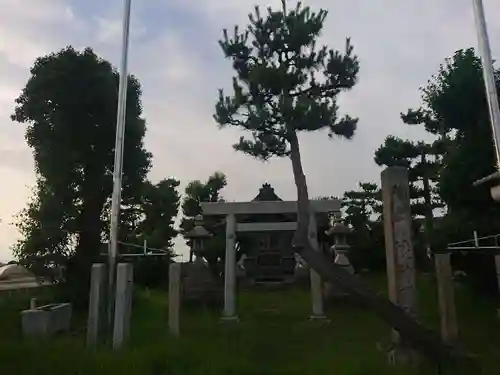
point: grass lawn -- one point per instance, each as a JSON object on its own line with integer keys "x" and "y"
{"x": 273, "y": 337}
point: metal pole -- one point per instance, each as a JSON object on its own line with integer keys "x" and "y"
{"x": 118, "y": 163}
{"x": 489, "y": 78}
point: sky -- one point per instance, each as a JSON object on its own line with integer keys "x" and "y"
{"x": 175, "y": 54}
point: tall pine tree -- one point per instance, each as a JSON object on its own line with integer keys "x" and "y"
{"x": 286, "y": 84}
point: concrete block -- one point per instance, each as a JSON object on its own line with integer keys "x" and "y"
{"x": 46, "y": 320}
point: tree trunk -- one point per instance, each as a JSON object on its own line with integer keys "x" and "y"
{"x": 301, "y": 238}
{"x": 420, "y": 337}
{"x": 89, "y": 227}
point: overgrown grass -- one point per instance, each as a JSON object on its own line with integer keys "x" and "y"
{"x": 274, "y": 336}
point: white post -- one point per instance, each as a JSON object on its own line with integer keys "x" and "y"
{"x": 316, "y": 287}
{"x": 118, "y": 162}
{"x": 489, "y": 77}
{"x": 230, "y": 270}
{"x": 174, "y": 298}
{"x": 123, "y": 300}
{"x": 96, "y": 303}
{"x": 446, "y": 297}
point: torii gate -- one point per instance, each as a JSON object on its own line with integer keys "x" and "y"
{"x": 231, "y": 209}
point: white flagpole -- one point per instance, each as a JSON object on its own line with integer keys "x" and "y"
{"x": 118, "y": 163}
{"x": 489, "y": 78}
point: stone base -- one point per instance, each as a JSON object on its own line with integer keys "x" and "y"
{"x": 331, "y": 291}
{"x": 399, "y": 355}
{"x": 230, "y": 319}
{"x": 318, "y": 318}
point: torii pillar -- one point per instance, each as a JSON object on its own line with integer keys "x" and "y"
{"x": 229, "y": 312}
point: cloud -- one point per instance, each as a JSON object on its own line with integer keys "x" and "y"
{"x": 29, "y": 29}
{"x": 109, "y": 31}
{"x": 20, "y": 23}
{"x": 174, "y": 53}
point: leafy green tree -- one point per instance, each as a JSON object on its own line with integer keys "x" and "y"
{"x": 423, "y": 161}
{"x": 158, "y": 211}
{"x": 160, "y": 205}
{"x": 285, "y": 84}
{"x": 69, "y": 108}
{"x": 362, "y": 206}
{"x": 454, "y": 105}
{"x": 197, "y": 192}
{"x": 38, "y": 232}
{"x": 362, "y": 211}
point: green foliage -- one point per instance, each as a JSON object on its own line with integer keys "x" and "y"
{"x": 457, "y": 93}
{"x": 362, "y": 210}
{"x": 363, "y": 205}
{"x": 69, "y": 108}
{"x": 159, "y": 208}
{"x": 423, "y": 161}
{"x": 42, "y": 245}
{"x": 284, "y": 83}
{"x": 160, "y": 203}
{"x": 459, "y": 81}
{"x": 197, "y": 192}
{"x": 454, "y": 107}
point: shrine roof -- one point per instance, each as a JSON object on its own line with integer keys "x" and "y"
{"x": 266, "y": 194}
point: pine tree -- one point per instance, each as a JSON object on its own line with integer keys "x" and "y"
{"x": 284, "y": 85}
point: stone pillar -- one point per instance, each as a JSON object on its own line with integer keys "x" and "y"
{"x": 446, "y": 297}
{"x": 316, "y": 288}
{"x": 174, "y": 298}
{"x": 229, "y": 312}
{"x": 497, "y": 259}
{"x": 96, "y": 320}
{"x": 497, "y": 268}
{"x": 399, "y": 249}
{"x": 123, "y": 303}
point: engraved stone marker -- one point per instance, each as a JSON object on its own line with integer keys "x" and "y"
{"x": 399, "y": 249}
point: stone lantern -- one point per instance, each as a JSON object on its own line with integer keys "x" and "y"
{"x": 340, "y": 250}
{"x": 197, "y": 236}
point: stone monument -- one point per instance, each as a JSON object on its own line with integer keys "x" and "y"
{"x": 399, "y": 252}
